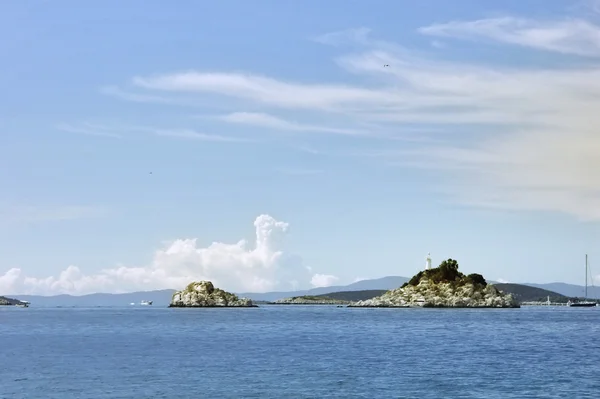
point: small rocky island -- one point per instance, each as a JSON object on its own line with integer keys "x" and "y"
{"x": 202, "y": 294}
{"x": 4, "y": 301}
{"x": 443, "y": 287}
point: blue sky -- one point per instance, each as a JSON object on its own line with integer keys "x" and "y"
{"x": 478, "y": 142}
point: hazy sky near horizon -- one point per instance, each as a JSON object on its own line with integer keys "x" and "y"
{"x": 267, "y": 145}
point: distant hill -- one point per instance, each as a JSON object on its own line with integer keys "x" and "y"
{"x": 353, "y": 295}
{"x": 526, "y": 293}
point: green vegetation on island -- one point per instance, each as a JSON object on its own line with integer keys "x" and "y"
{"x": 203, "y": 294}
{"x": 443, "y": 286}
{"x": 447, "y": 272}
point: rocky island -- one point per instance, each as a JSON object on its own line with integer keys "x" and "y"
{"x": 443, "y": 287}
{"x": 4, "y": 301}
{"x": 202, "y": 294}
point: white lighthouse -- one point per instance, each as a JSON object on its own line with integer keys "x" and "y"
{"x": 428, "y": 262}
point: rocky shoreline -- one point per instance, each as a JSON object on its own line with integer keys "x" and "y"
{"x": 203, "y": 294}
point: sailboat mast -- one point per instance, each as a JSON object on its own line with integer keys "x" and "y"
{"x": 585, "y": 277}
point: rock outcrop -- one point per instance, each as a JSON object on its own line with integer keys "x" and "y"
{"x": 443, "y": 287}
{"x": 203, "y": 294}
{"x": 4, "y": 301}
{"x": 309, "y": 300}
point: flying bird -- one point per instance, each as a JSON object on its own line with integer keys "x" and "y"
{"x": 386, "y": 65}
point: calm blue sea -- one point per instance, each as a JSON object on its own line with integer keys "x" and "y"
{"x": 299, "y": 352}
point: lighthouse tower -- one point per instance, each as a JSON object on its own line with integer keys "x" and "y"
{"x": 428, "y": 262}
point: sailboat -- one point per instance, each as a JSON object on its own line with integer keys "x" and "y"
{"x": 585, "y": 302}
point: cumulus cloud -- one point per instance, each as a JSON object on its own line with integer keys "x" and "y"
{"x": 507, "y": 136}
{"x": 323, "y": 280}
{"x": 236, "y": 267}
{"x": 9, "y": 280}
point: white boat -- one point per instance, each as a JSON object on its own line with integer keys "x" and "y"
{"x": 23, "y": 304}
{"x": 147, "y": 303}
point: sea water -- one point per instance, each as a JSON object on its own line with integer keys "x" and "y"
{"x": 299, "y": 352}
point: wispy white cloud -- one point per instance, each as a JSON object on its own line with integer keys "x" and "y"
{"x": 266, "y": 90}
{"x": 509, "y": 137}
{"x": 122, "y": 131}
{"x": 134, "y": 94}
{"x": 117, "y": 92}
{"x": 273, "y": 122}
{"x": 568, "y": 36}
{"x": 189, "y": 134}
{"x": 348, "y": 36}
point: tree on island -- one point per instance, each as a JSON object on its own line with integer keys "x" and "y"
{"x": 447, "y": 272}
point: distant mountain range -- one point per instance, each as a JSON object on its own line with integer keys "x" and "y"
{"x": 163, "y": 297}
{"x": 384, "y": 283}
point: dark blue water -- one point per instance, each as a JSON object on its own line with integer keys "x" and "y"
{"x": 299, "y": 352}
